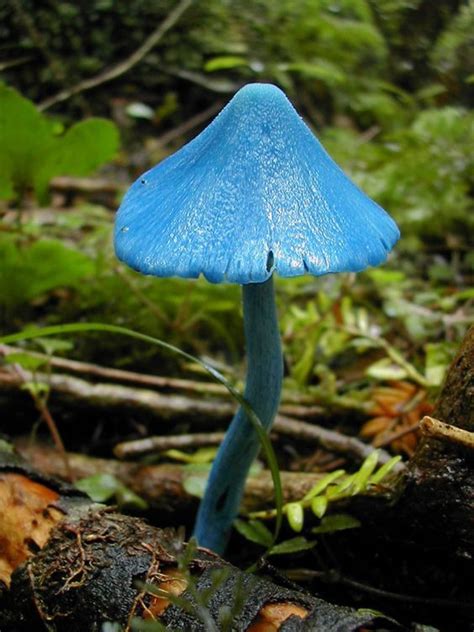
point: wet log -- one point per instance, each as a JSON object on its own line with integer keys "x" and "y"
{"x": 70, "y": 566}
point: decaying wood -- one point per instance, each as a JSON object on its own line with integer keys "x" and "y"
{"x": 81, "y": 565}
{"x": 162, "y": 485}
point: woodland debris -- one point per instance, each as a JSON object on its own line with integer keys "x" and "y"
{"x": 156, "y": 381}
{"x": 92, "y": 566}
{"x": 162, "y": 485}
{"x": 169, "y": 406}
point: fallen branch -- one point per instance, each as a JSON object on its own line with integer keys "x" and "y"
{"x": 187, "y": 126}
{"x": 125, "y": 65}
{"x": 109, "y": 395}
{"x": 156, "y": 381}
{"x": 171, "y": 406}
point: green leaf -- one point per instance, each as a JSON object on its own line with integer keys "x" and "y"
{"x": 319, "y": 506}
{"x": 336, "y": 522}
{"x": 54, "y": 345}
{"x": 195, "y": 480}
{"x": 295, "y": 516}
{"x": 382, "y": 472}
{"x": 438, "y": 358}
{"x": 225, "y": 62}
{"x": 32, "y": 151}
{"x": 361, "y": 477}
{"x": 202, "y": 455}
{"x": 324, "y": 71}
{"x": 28, "y": 271}
{"x": 6, "y": 447}
{"x": 385, "y": 369}
{"x": 103, "y": 487}
{"x": 37, "y": 389}
{"x": 80, "y": 151}
{"x": 255, "y": 531}
{"x": 99, "y": 487}
{"x": 294, "y": 545}
{"x": 25, "y": 360}
{"x": 323, "y": 483}
{"x": 127, "y": 498}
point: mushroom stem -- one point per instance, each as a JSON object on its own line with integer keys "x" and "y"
{"x": 223, "y": 494}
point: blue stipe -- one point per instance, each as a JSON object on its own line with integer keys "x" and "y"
{"x": 221, "y": 501}
{"x": 255, "y": 184}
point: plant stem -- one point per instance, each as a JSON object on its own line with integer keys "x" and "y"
{"x": 221, "y": 501}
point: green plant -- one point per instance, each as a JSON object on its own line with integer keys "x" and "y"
{"x": 106, "y": 487}
{"x": 31, "y": 269}
{"x": 34, "y": 148}
{"x": 333, "y": 487}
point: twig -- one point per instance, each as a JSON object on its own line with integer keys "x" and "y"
{"x": 58, "y": 442}
{"x": 440, "y": 430}
{"x": 388, "y": 439}
{"x": 188, "y": 125}
{"x": 125, "y": 65}
{"x": 221, "y": 86}
{"x": 85, "y": 185}
{"x": 140, "y": 447}
{"x": 335, "y": 577}
{"x": 11, "y": 63}
{"x": 123, "y": 376}
{"x": 330, "y": 439}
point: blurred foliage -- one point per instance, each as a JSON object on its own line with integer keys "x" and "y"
{"x": 34, "y": 148}
{"x": 387, "y": 84}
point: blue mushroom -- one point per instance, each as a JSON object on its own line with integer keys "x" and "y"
{"x": 255, "y": 193}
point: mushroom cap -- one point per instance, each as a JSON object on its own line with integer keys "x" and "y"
{"x": 254, "y": 193}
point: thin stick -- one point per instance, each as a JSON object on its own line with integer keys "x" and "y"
{"x": 140, "y": 447}
{"x": 191, "y": 123}
{"x": 439, "y": 430}
{"x": 330, "y": 439}
{"x": 125, "y": 65}
{"x": 58, "y": 442}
